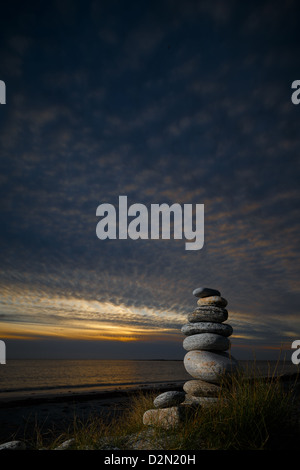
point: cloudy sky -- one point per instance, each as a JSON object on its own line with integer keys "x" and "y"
{"x": 164, "y": 102}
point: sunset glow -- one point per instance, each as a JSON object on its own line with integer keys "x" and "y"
{"x": 187, "y": 103}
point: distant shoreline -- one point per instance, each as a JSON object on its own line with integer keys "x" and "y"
{"x": 11, "y": 361}
{"x": 92, "y": 359}
{"x": 46, "y": 392}
{"x": 117, "y": 391}
{"x": 80, "y": 396}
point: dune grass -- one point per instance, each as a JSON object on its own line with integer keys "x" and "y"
{"x": 249, "y": 415}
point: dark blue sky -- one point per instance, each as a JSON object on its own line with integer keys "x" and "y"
{"x": 165, "y": 102}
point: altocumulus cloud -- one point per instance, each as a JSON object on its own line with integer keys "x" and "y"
{"x": 188, "y": 103}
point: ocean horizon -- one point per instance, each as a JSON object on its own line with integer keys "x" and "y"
{"x": 29, "y": 378}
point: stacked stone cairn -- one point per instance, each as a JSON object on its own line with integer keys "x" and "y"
{"x": 207, "y": 342}
{"x": 206, "y": 361}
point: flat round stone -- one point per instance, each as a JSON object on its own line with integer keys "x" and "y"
{"x": 214, "y": 300}
{"x": 209, "y": 366}
{"x": 205, "y": 292}
{"x": 168, "y": 399}
{"x": 166, "y": 417}
{"x": 223, "y": 329}
{"x": 212, "y": 314}
{"x": 207, "y": 342}
{"x": 200, "y": 388}
{"x": 13, "y": 445}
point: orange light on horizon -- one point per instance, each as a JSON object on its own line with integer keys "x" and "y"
{"x": 103, "y": 332}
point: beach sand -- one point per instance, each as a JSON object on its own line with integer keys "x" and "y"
{"x": 52, "y": 415}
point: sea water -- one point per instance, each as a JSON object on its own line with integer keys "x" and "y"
{"x": 39, "y": 377}
{"x": 29, "y": 378}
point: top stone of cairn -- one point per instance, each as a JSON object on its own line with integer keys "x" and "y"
{"x": 205, "y": 292}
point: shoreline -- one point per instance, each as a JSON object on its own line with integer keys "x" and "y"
{"x": 16, "y": 399}
{"x": 55, "y": 413}
{"x": 98, "y": 391}
{"x": 10, "y": 399}
{"x": 22, "y": 417}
